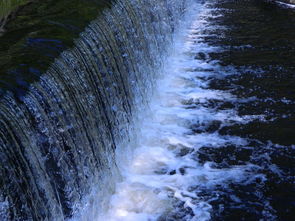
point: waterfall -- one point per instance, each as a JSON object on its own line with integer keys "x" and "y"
{"x": 58, "y": 142}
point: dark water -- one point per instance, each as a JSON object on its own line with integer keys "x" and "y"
{"x": 258, "y": 55}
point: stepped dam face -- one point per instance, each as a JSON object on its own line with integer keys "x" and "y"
{"x": 161, "y": 110}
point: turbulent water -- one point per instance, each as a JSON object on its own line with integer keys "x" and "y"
{"x": 164, "y": 110}
{"x": 58, "y": 141}
{"x": 284, "y": 4}
{"x": 207, "y": 149}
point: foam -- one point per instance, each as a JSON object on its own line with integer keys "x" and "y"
{"x": 162, "y": 168}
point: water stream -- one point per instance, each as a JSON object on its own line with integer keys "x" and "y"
{"x": 186, "y": 164}
{"x": 162, "y": 178}
{"x": 165, "y": 110}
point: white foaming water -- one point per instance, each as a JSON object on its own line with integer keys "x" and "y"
{"x": 163, "y": 170}
{"x": 285, "y": 4}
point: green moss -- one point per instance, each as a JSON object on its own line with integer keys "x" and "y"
{"x": 38, "y": 34}
{"x": 7, "y": 6}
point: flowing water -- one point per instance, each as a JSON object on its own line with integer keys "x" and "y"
{"x": 164, "y": 110}
{"x": 217, "y": 143}
{"x": 58, "y": 139}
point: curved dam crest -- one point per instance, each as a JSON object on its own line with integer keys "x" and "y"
{"x": 163, "y": 110}
{"x": 58, "y": 142}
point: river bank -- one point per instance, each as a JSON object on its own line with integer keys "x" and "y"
{"x": 8, "y": 11}
{"x": 37, "y": 35}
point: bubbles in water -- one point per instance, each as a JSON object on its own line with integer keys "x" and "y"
{"x": 164, "y": 179}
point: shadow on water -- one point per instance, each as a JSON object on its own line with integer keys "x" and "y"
{"x": 258, "y": 52}
{"x": 37, "y": 35}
